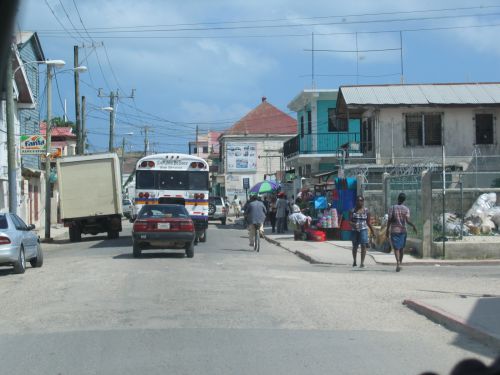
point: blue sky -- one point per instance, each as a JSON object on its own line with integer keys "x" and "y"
{"x": 210, "y": 62}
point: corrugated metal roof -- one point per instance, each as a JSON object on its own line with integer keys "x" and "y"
{"x": 425, "y": 94}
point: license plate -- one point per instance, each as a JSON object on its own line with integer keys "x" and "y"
{"x": 163, "y": 225}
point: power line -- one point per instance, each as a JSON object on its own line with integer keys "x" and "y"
{"x": 293, "y": 19}
{"x": 342, "y": 22}
{"x": 59, "y": 21}
{"x": 70, "y": 21}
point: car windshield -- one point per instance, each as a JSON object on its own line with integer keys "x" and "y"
{"x": 3, "y": 222}
{"x": 158, "y": 211}
{"x": 216, "y": 201}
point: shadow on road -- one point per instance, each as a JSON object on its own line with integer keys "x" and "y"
{"x": 6, "y": 271}
{"x": 151, "y": 256}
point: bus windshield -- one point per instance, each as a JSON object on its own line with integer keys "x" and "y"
{"x": 172, "y": 180}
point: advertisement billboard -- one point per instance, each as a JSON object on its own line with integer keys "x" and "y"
{"x": 33, "y": 144}
{"x": 241, "y": 157}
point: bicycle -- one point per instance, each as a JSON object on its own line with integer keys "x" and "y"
{"x": 256, "y": 240}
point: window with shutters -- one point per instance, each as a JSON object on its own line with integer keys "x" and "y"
{"x": 423, "y": 129}
{"x": 309, "y": 122}
{"x": 484, "y": 129}
{"x": 302, "y": 126}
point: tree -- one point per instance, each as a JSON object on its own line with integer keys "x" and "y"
{"x": 60, "y": 122}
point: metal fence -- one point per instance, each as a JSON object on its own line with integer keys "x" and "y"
{"x": 455, "y": 197}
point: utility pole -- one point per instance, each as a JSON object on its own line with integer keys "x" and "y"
{"x": 79, "y": 134}
{"x": 113, "y": 96}
{"x": 11, "y": 136}
{"x": 48, "y": 129}
{"x": 123, "y": 161}
{"x": 83, "y": 129}
{"x": 146, "y": 140}
{"x": 197, "y": 147}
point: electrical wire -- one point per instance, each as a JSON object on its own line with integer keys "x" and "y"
{"x": 70, "y": 21}
{"x": 296, "y": 18}
{"x": 59, "y": 21}
{"x": 343, "y": 22}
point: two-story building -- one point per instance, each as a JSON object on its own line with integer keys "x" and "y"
{"x": 207, "y": 147}
{"x": 32, "y": 186}
{"x": 410, "y": 123}
{"x": 252, "y": 148}
{"x": 323, "y": 140}
{"x": 23, "y": 100}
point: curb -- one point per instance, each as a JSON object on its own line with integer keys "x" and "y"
{"x": 300, "y": 254}
{"x": 453, "y": 322}
{"x": 441, "y": 263}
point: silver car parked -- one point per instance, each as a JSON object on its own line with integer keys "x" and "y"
{"x": 18, "y": 243}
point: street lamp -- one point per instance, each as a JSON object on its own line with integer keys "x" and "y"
{"x": 48, "y": 130}
{"x": 84, "y": 112}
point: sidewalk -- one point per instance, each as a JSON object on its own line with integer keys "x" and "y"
{"x": 475, "y": 317}
{"x": 339, "y": 252}
{"x": 57, "y": 232}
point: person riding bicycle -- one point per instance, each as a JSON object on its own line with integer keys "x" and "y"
{"x": 255, "y": 214}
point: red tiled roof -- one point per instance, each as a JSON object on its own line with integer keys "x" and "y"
{"x": 264, "y": 119}
{"x": 58, "y": 131}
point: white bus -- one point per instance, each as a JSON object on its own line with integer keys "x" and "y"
{"x": 175, "y": 179}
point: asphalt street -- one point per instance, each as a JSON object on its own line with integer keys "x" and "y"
{"x": 94, "y": 309}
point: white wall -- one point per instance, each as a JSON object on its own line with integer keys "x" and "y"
{"x": 459, "y": 133}
{"x": 265, "y": 146}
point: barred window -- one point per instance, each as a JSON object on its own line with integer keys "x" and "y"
{"x": 484, "y": 129}
{"x": 423, "y": 129}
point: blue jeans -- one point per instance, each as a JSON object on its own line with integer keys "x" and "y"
{"x": 359, "y": 238}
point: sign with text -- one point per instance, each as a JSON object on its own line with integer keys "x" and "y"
{"x": 33, "y": 144}
{"x": 241, "y": 157}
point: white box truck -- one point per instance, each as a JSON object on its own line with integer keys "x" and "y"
{"x": 90, "y": 194}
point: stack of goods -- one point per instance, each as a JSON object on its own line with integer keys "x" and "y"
{"x": 329, "y": 219}
{"x": 315, "y": 235}
{"x": 344, "y": 200}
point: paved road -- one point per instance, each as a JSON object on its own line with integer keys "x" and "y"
{"x": 93, "y": 309}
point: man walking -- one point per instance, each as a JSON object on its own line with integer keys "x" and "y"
{"x": 399, "y": 216}
{"x": 281, "y": 207}
{"x": 255, "y": 215}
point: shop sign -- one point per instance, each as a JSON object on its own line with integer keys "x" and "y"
{"x": 33, "y": 144}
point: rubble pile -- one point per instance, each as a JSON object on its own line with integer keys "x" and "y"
{"x": 482, "y": 218}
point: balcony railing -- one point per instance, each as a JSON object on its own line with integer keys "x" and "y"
{"x": 326, "y": 143}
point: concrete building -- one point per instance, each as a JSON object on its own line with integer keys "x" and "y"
{"x": 252, "y": 148}
{"x": 207, "y": 147}
{"x": 23, "y": 99}
{"x": 321, "y": 138}
{"x": 409, "y": 123}
{"x": 33, "y": 182}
